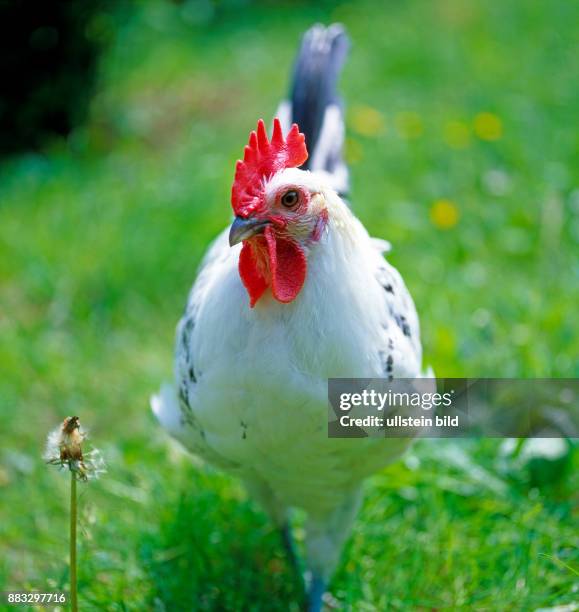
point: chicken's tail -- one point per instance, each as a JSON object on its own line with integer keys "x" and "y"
{"x": 165, "y": 407}
{"x": 314, "y": 103}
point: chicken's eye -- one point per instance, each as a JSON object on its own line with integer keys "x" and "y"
{"x": 290, "y": 198}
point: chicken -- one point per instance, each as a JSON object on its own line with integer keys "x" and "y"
{"x": 293, "y": 293}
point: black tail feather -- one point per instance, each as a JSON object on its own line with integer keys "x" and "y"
{"x": 314, "y": 89}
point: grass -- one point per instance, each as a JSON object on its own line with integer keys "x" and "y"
{"x": 464, "y": 154}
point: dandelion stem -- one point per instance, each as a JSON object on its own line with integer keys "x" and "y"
{"x": 64, "y": 449}
{"x": 73, "y": 592}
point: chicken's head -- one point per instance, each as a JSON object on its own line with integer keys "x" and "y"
{"x": 279, "y": 212}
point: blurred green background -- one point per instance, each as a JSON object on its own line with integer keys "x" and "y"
{"x": 464, "y": 150}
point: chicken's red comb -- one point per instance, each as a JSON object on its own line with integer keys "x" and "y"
{"x": 261, "y": 160}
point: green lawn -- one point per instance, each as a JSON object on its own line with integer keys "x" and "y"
{"x": 464, "y": 151}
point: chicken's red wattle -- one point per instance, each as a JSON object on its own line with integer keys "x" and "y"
{"x": 272, "y": 261}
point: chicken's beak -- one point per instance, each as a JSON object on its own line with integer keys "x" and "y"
{"x": 242, "y": 229}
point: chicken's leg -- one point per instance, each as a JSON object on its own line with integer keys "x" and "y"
{"x": 316, "y": 592}
{"x": 325, "y": 536}
{"x": 279, "y": 515}
{"x": 290, "y": 548}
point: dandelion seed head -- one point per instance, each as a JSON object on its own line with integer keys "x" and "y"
{"x": 52, "y": 449}
{"x": 64, "y": 449}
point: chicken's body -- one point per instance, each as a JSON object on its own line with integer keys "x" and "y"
{"x": 251, "y": 394}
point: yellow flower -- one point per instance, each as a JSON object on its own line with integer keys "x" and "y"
{"x": 487, "y": 126}
{"x": 354, "y": 151}
{"x": 367, "y": 121}
{"x": 457, "y": 134}
{"x": 409, "y": 125}
{"x": 444, "y": 214}
{"x": 445, "y": 340}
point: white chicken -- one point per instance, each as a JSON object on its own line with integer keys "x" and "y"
{"x": 293, "y": 293}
